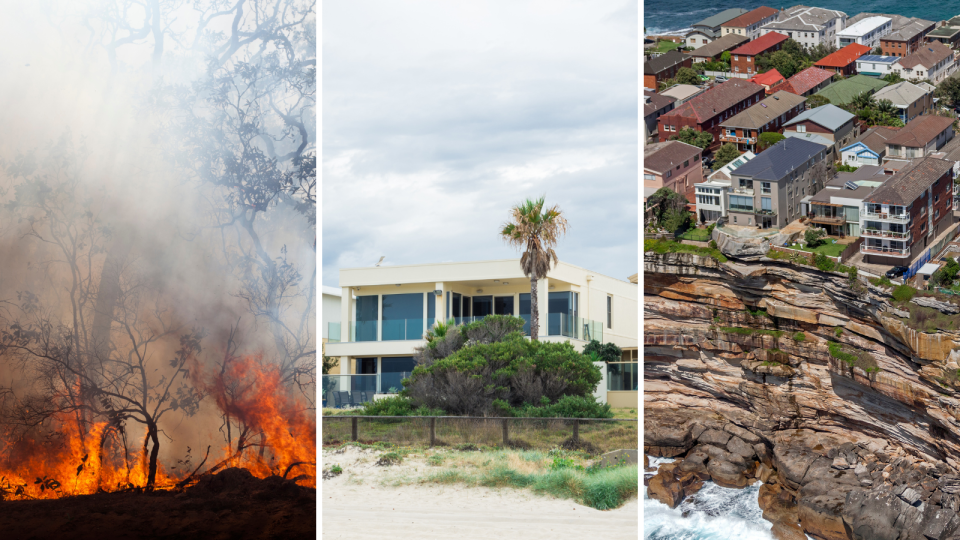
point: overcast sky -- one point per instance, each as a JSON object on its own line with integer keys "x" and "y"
{"x": 438, "y": 116}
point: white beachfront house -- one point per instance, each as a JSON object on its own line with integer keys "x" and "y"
{"x": 387, "y": 310}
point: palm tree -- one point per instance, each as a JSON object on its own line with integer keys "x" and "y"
{"x": 864, "y": 100}
{"x": 536, "y": 230}
{"x": 885, "y": 106}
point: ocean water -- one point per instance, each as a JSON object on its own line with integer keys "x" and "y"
{"x": 668, "y": 16}
{"x": 713, "y": 513}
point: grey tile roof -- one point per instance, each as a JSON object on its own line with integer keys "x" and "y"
{"x": 664, "y": 61}
{"x": 656, "y": 102}
{"x": 901, "y": 93}
{"x": 819, "y": 139}
{"x": 718, "y": 46}
{"x": 804, "y": 18}
{"x": 764, "y": 112}
{"x": 829, "y": 116}
{"x": 905, "y": 186}
{"x": 876, "y": 138}
{"x": 714, "y": 21}
{"x": 780, "y": 159}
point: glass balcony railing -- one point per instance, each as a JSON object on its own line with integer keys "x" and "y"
{"x": 339, "y": 391}
{"x": 402, "y": 329}
{"x": 364, "y": 331}
{"x": 333, "y": 331}
{"x": 563, "y": 324}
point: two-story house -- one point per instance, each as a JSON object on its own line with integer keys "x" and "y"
{"x": 843, "y": 61}
{"x": 933, "y": 61}
{"x": 830, "y": 122}
{"x": 920, "y": 137}
{"x": 947, "y": 33}
{"x": 743, "y": 58}
{"x": 910, "y": 99}
{"x": 869, "y": 148}
{"x": 809, "y": 81}
{"x": 749, "y": 24}
{"x": 706, "y": 111}
{"x": 906, "y": 39}
{"x": 663, "y": 67}
{"x": 867, "y": 31}
{"x": 713, "y": 194}
{"x": 707, "y": 30}
{"x": 836, "y": 208}
{"x": 901, "y": 217}
{"x": 654, "y": 106}
{"x": 808, "y": 26}
{"x": 713, "y": 50}
{"x": 387, "y": 310}
{"x": 769, "y": 115}
{"x": 766, "y": 191}
{"x": 672, "y": 164}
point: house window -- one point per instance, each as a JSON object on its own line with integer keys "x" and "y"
{"x": 765, "y": 204}
{"x": 765, "y": 187}
{"x": 686, "y": 163}
{"x": 649, "y": 176}
{"x": 609, "y": 311}
{"x": 669, "y": 174}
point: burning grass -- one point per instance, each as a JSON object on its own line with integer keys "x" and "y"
{"x": 58, "y": 459}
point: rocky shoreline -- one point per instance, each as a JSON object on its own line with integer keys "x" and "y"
{"x": 742, "y": 384}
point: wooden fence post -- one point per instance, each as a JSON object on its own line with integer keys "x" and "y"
{"x": 576, "y": 431}
{"x": 506, "y": 434}
{"x": 433, "y": 431}
{"x": 355, "y": 428}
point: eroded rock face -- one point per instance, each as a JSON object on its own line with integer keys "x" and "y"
{"x": 740, "y": 398}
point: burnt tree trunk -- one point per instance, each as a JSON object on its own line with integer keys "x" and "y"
{"x": 153, "y": 436}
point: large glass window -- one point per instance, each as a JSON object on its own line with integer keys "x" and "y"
{"x": 765, "y": 204}
{"x": 453, "y": 304}
{"x": 402, "y": 316}
{"x": 738, "y": 202}
{"x": 562, "y": 313}
{"x": 393, "y": 370}
{"x": 431, "y": 309}
{"x": 482, "y": 306}
{"x": 366, "y": 318}
{"x": 503, "y": 305}
{"x": 623, "y": 376}
{"x": 609, "y": 311}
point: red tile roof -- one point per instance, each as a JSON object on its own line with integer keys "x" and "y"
{"x": 715, "y": 100}
{"x": 751, "y": 17}
{"x": 768, "y": 78}
{"x": 808, "y": 78}
{"x": 760, "y": 44}
{"x": 844, "y": 56}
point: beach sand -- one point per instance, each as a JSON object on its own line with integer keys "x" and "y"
{"x": 365, "y": 502}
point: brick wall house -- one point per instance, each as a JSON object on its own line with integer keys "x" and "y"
{"x": 706, "y": 111}
{"x": 743, "y": 58}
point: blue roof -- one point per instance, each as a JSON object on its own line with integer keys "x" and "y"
{"x": 864, "y": 149}
{"x": 777, "y": 161}
{"x": 877, "y": 58}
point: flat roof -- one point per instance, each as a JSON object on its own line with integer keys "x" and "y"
{"x": 864, "y": 26}
{"x": 928, "y": 268}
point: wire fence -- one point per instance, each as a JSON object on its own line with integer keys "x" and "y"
{"x": 591, "y": 435}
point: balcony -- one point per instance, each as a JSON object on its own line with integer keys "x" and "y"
{"x": 883, "y": 216}
{"x": 558, "y": 324}
{"x": 333, "y": 332}
{"x": 742, "y": 191}
{"x": 881, "y": 250}
{"x": 826, "y": 220}
{"x": 879, "y": 233}
{"x": 760, "y": 212}
{"x": 340, "y": 391}
{"x": 734, "y": 139}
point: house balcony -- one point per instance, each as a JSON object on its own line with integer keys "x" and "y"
{"x": 884, "y": 216}
{"x": 734, "y": 139}
{"x": 886, "y": 251}
{"x": 558, "y": 324}
{"x": 741, "y": 191}
{"x": 826, "y": 220}
{"x": 760, "y": 212}
{"x": 879, "y": 233}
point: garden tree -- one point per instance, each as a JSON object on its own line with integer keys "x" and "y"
{"x": 700, "y": 139}
{"x": 815, "y": 101}
{"x": 767, "y": 139}
{"x": 687, "y": 76}
{"x": 329, "y": 363}
{"x": 132, "y": 380}
{"x": 487, "y": 367}
{"x": 536, "y": 230}
{"x": 725, "y": 57}
{"x": 949, "y": 91}
{"x": 878, "y": 50}
{"x": 813, "y": 237}
{"x": 893, "y": 77}
{"x": 676, "y": 220}
{"x": 607, "y": 352}
{"x": 725, "y": 154}
{"x": 666, "y": 202}
{"x": 885, "y": 106}
{"x": 863, "y": 100}
{"x": 946, "y": 275}
{"x": 819, "y": 51}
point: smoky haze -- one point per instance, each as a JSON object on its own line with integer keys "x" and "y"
{"x": 157, "y": 213}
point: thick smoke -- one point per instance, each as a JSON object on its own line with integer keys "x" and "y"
{"x": 157, "y": 213}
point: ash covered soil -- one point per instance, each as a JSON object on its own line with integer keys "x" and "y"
{"x": 231, "y": 505}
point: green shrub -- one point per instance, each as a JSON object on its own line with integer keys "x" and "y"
{"x": 607, "y": 352}
{"x": 904, "y": 293}
{"x": 759, "y": 312}
{"x": 838, "y": 331}
{"x": 713, "y": 244}
{"x": 336, "y": 469}
{"x": 813, "y": 237}
{"x": 670, "y": 246}
{"x": 882, "y": 281}
{"x": 397, "y": 406}
{"x": 799, "y": 337}
{"x": 750, "y": 331}
{"x": 824, "y": 263}
{"x": 565, "y": 407}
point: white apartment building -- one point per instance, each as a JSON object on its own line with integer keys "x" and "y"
{"x": 865, "y": 32}
{"x": 808, "y": 26}
{"x": 386, "y": 311}
{"x": 713, "y": 195}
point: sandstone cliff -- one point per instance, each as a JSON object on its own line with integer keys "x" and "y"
{"x": 742, "y": 382}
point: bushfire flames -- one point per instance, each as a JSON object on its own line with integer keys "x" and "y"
{"x": 276, "y": 435}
